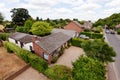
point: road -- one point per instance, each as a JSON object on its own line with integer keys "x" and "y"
{"x": 114, "y": 68}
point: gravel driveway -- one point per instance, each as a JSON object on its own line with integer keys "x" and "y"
{"x": 70, "y": 55}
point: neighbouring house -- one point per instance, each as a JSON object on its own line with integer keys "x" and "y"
{"x": 22, "y": 40}
{"x": 49, "y": 46}
{"x": 2, "y": 28}
{"x": 70, "y": 33}
{"x": 9, "y": 30}
{"x": 117, "y": 26}
{"x": 74, "y": 25}
{"x": 87, "y": 25}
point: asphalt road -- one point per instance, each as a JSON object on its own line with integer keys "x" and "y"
{"x": 114, "y": 68}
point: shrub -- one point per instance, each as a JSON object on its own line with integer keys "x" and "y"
{"x": 4, "y": 36}
{"x": 86, "y": 68}
{"x": 55, "y": 58}
{"x": 118, "y": 31}
{"x": 98, "y": 49}
{"x": 93, "y": 35}
{"x": 59, "y": 72}
{"x": 19, "y": 29}
{"x": 35, "y": 61}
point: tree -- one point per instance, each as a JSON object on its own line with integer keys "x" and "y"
{"x": 41, "y": 28}
{"x": 98, "y": 49}
{"x": 1, "y": 18}
{"x": 19, "y": 16}
{"x": 86, "y": 68}
{"x": 111, "y": 21}
{"x": 37, "y": 19}
{"x": 19, "y": 29}
{"x": 27, "y": 26}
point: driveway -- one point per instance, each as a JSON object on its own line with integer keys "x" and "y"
{"x": 31, "y": 74}
{"x": 70, "y": 55}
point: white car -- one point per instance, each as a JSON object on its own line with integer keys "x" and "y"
{"x": 107, "y": 31}
{"x": 84, "y": 36}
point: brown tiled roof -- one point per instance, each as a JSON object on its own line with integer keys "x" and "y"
{"x": 52, "y": 42}
{"x": 78, "y": 24}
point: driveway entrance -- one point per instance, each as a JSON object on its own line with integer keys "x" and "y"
{"x": 70, "y": 55}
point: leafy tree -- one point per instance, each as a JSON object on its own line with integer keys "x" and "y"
{"x": 19, "y": 29}
{"x": 59, "y": 72}
{"x": 19, "y": 16}
{"x": 41, "y": 28}
{"x": 37, "y": 19}
{"x": 27, "y": 26}
{"x": 48, "y": 20}
{"x": 82, "y": 22}
{"x": 86, "y": 68}
{"x": 75, "y": 19}
{"x": 111, "y": 21}
{"x": 97, "y": 29}
{"x": 1, "y": 18}
{"x": 98, "y": 49}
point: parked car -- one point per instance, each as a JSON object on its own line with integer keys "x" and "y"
{"x": 112, "y": 32}
{"x": 84, "y": 36}
{"x": 107, "y": 31}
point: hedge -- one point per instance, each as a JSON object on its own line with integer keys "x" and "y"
{"x": 35, "y": 61}
{"x": 86, "y": 68}
{"x": 4, "y": 36}
{"x": 93, "y": 35}
{"x": 77, "y": 42}
{"x": 59, "y": 72}
{"x": 118, "y": 31}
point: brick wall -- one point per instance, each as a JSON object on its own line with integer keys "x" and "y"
{"x": 73, "y": 26}
{"x": 40, "y": 52}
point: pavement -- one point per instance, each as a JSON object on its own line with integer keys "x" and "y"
{"x": 114, "y": 68}
{"x": 70, "y": 55}
{"x": 31, "y": 74}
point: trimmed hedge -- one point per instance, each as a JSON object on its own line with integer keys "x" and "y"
{"x": 4, "y": 36}
{"x": 35, "y": 61}
{"x": 59, "y": 72}
{"x": 77, "y": 42}
{"x": 93, "y": 35}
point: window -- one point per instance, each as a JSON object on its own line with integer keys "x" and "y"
{"x": 16, "y": 41}
{"x": 21, "y": 44}
{"x": 30, "y": 48}
{"x": 45, "y": 56}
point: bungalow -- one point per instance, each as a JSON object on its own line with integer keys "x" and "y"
{"x": 74, "y": 25}
{"x": 22, "y": 40}
{"x": 49, "y": 46}
{"x": 70, "y": 33}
